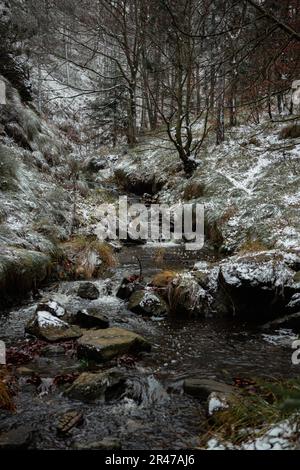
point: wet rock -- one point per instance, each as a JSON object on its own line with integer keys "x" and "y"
{"x": 102, "y": 385}
{"x": 68, "y": 421}
{"x": 91, "y": 318}
{"x": 128, "y": 286}
{"x": 108, "y": 443}
{"x": 87, "y": 290}
{"x": 52, "y": 307}
{"x": 288, "y": 321}
{"x": 50, "y": 328}
{"x": 147, "y": 303}
{"x": 202, "y": 388}
{"x": 103, "y": 345}
{"x": 18, "y": 438}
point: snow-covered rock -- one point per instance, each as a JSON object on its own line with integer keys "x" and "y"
{"x": 46, "y": 326}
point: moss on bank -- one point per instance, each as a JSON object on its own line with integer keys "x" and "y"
{"x": 21, "y": 271}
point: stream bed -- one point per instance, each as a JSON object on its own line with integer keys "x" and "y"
{"x": 154, "y": 412}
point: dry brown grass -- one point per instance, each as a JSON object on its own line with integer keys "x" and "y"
{"x": 163, "y": 279}
{"x": 252, "y": 246}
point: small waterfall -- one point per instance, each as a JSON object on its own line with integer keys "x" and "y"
{"x": 146, "y": 390}
{"x": 47, "y": 386}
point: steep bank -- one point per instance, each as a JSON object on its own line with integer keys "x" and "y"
{"x": 37, "y": 163}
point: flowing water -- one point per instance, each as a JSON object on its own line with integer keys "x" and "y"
{"x": 154, "y": 412}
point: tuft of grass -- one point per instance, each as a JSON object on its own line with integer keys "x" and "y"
{"x": 6, "y": 396}
{"x": 252, "y": 411}
{"x": 85, "y": 258}
{"x": 290, "y": 132}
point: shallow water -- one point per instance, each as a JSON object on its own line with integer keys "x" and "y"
{"x": 154, "y": 413}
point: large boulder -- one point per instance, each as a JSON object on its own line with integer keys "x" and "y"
{"x": 88, "y": 290}
{"x": 145, "y": 302}
{"x": 103, "y": 345}
{"x": 101, "y": 385}
{"x": 50, "y": 328}
{"x": 256, "y": 286}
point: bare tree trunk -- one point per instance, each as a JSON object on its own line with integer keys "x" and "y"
{"x": 220, "y": 128}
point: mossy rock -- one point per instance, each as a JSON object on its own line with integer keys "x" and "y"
{"x": 297, "y": 277}
{"x": 104, "y": 345}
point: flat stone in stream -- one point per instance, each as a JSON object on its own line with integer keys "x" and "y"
{"x": 103, "y": 345}
{"x": 18, "y": 438}
{"x": 91, "y": 318}
{"x": 50, "y": 328}
{"x": 147, "y": 303}
{"x": 108, "y": 443}
{"x": 88, "y": 290}
{"x": 202, "y": 388}
{"x": 101, "y": 385}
